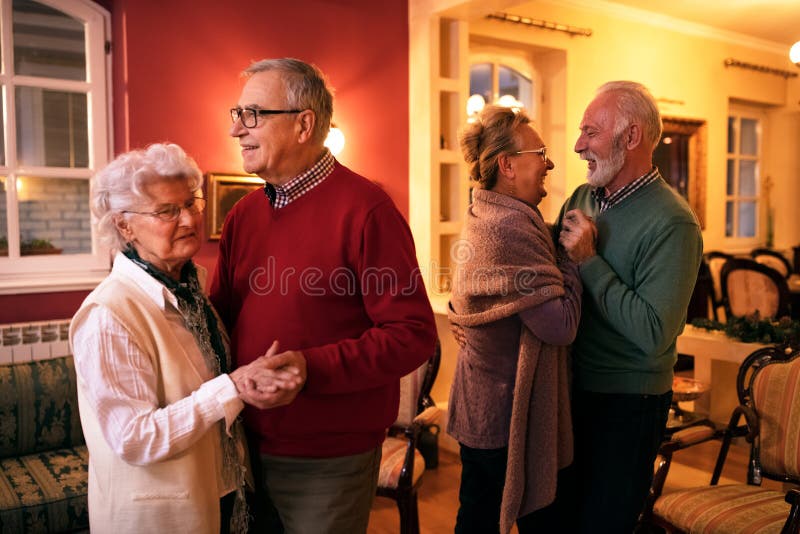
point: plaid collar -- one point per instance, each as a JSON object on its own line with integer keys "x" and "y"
{"x": 282, "y": 195}
{"x": 608, "y": 201}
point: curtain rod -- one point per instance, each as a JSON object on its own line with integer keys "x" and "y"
{"x": 730, "y": 62}
{"x": 544, "y": 24}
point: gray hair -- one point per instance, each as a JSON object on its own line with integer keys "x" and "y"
{"x": 635, "y": 104}
{"x": 306, "y": 88}
{"x": 482, "y": 141}
{"x": 120, "y": 185}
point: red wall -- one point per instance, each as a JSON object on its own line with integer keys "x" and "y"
{"x": 176, "y": 68}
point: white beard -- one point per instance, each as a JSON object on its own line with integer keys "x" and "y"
{"x": 605, "y": 169}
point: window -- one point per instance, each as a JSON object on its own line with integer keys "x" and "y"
{"x": 495, "y": 82}
{"x": 743, "y": 175}
{"x": 55, "y": 135}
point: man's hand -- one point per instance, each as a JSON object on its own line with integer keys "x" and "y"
{"x": 458, "y": 334}
{"x": 578, "y": 236}
{"x": 271, "y": 380}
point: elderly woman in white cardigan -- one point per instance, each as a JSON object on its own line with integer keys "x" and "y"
{"x": 159, "y": 402}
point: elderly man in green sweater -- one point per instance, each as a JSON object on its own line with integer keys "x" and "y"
{"x": 639, "y": 248}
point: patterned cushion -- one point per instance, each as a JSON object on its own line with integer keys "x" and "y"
{"x": 410, "y": 386}
{"x": 45, "y": 492}
{"x": 39, "y": 407}
{"x": 775, "y": 393}
{"x": 727, "y": 509}
{"x": 393, "y": 455}
{"x": 749, "y": 291}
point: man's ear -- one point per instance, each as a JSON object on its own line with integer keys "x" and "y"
{"x": 306, "y": 122}
{"x": 633, "y": 137}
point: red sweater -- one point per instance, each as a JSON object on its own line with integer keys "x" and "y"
{"x": 334, "y": 275}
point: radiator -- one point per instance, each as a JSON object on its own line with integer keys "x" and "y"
{"x": 25, "y": 342}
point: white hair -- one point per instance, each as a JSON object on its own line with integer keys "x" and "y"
{"x": 120, "y": 185}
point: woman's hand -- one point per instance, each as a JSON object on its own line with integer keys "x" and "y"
{"x": 271, "y": 380}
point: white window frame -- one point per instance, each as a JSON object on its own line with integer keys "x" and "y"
{"x": 735, "y": 242}
{"x": 49, "y": 273}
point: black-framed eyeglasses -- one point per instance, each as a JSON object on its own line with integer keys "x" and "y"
{"x": 250, "y": 116}
{"x": 171, "y": 212}
{"x": 541, "y": 151}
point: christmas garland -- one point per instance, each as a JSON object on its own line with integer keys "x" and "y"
{"x": 754, "y": 329}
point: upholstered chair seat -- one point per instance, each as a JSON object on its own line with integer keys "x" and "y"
{"x": 730, "y": 508}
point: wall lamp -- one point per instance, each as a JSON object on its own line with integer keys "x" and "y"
{"x": 794, "y": 53}
{"x": 335, "y": 140}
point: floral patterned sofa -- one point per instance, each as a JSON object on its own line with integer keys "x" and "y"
{"x": 43, "y": 458}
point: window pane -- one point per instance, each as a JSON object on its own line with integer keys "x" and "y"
{"x": 3, "y": 218}
{"x": 47, "y": 42}
{"x": 731, "y": 134}
{"x": 729, "y": 219}
{"x": 480, "y": 81}
{"x": 515, "y": 84}
{"x": 54, "y": 216}
{"x": 52, "y": 128}
{"x": 730, "y": 178}
{"x": 747, "y": 219}
{"x": 747, "y": 178}
{"x": 749, "y": 135}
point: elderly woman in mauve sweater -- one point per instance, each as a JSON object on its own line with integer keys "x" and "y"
{"x": 516, "y": 301}
{"x": 158, "y": 401}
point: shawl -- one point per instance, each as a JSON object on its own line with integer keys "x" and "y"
{"x": 505, "y": 263}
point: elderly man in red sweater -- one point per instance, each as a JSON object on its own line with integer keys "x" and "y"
{"x": 322, "y": 261}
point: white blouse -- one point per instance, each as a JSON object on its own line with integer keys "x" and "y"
{"x": 122, "y": 383}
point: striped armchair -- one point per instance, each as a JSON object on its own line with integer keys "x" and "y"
{"x": 768, "y": 386}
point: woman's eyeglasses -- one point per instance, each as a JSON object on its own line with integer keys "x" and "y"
{"x": 541, "y": 151}
{"x": 171, "y": 212}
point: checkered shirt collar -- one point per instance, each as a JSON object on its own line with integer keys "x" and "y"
{"x": 608, "y": 201}
{"x": 281, "y": 196}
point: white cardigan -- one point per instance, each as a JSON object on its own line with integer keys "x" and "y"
{"x": 180, "y": 493}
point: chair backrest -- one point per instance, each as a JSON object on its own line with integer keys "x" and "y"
{"x": 702, "y": 304}
{"x": 715, "y": 260}
{"x": 774, "y": 259}
{"x": 769, "y": 383}
{"x": 749, "y": 286}
{"x": 415, "y": 388}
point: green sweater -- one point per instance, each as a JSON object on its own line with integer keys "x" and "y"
{"x": 636, "y": 290}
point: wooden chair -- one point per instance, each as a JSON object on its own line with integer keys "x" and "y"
{"x": 402, "y": 465}
{"x": 714, "y": 260}
{"x": 767, "y": 386}
{"x": 749, "y": 286}
{"x": 774, "y": 259}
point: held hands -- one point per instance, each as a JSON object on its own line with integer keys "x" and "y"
{"x": 271, "y": 380}
{"x": 578, "y": 236}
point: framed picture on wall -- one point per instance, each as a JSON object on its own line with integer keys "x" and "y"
{"x": 225, "y": 190}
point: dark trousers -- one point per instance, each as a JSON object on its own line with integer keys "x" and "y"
{"x": 483, "y": 473}
{"x": 616, "y": 441}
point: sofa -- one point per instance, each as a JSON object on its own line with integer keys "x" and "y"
{"x": 43, "y": 458}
